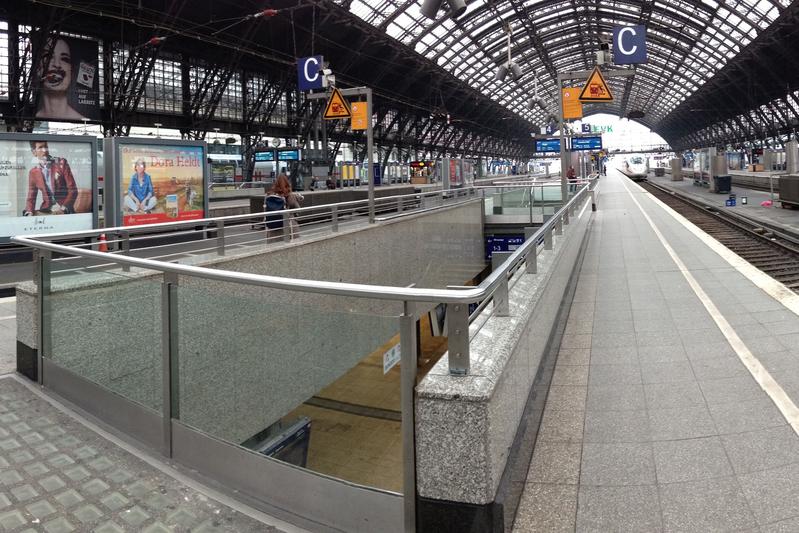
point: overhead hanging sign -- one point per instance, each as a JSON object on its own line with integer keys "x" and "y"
{"x": 337, "y": 106}
{"x": 629, "y": 45}
{"x": 309, "y": 75}
{"x": 572, "y": 107}
{"x": 587, "y": 143}
{"x": 359, "y": 116}
{"x": 596, "y": 89}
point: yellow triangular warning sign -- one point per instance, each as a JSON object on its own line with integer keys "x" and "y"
{"x": 596, "y": 89}
{"x": 337, "y": 106}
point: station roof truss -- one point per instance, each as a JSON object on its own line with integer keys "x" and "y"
{"x": 199, "y": 65}
{"x": 693, "y": 48}
{"x": 718, "y": 71}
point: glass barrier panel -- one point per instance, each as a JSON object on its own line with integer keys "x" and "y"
{"x": 105, "y": 326}
{"x": 306, "y": 379}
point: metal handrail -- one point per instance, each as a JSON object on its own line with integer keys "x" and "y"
{"x": 460, "y": 296}
{"x": 379, "y": 292}
{"x": 160, "y": 226}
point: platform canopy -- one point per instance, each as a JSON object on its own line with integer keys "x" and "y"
{"x": 689, "y": 43}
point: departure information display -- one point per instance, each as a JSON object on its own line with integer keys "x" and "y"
{"x": 587, "y": 143}
{"x": 547, "y": 145}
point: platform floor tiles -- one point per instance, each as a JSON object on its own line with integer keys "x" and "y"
{"x": 57, "y": 476}
{"x": 356, "y": 421}
{"x": 652, "y": 422}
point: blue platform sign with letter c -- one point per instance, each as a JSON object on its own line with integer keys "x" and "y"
{"x": 309, "y": 75}
{"x": 629, "y": 45}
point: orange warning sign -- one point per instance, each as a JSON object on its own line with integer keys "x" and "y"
{"x": 596, "y": 89}
{"x": 572, "y": 107}
{"x": 337, "y": 106}
{"x": 359, "y": 116}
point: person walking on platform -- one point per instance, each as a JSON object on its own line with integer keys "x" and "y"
{"x": 282, "y": 189}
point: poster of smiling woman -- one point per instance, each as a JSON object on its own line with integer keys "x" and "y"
{"x": 68, "y": 80}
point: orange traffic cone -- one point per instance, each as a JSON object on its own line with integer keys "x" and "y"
{"x": 102, "y": 243}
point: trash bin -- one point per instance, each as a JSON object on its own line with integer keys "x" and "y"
{"x": 723, "y": 184}
{"x": 660, "y": 172}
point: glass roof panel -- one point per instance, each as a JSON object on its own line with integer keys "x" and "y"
{"x": 688, "y": 42}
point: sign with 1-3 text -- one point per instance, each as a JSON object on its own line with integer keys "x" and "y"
{"x": 309, "y": 75}
{"x": 629, "y": 45}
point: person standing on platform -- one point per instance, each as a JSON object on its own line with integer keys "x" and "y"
{"x": 571, "y": 175}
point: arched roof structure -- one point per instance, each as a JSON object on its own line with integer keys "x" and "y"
{"x": 689, "y": 42}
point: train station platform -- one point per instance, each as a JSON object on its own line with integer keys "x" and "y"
{"x": 672, "y": 404}
{"x": 772, "y": 215}
{"x": 673, "y": 400}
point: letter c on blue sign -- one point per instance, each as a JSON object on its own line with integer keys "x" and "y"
{"x": 308, "y": 76}
{"x": 620, "y": 43}
{"x": 629, "y": 45}
{"x": 311, "y": 61}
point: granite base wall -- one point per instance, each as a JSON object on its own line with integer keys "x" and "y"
{"x": 465, "y": 425}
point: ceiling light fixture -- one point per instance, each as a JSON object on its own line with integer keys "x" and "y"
{"x": 514, "y": 69}
{"x": 430, "y": 8}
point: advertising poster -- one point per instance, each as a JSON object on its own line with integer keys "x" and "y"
{"x": 45, "y": 187}
{"x": 69, "y": 84}
{"x": 161, "y": 183}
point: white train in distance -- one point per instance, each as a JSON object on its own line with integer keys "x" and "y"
{"x": 636, "y": 166}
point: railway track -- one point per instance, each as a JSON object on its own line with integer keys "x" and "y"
{"x": 774, "y": 254}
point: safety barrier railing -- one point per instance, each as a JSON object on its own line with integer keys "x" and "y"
{"x": 219, "y": 235}
{"x": 494, "y": 286}
{"x": 238, "y": 350}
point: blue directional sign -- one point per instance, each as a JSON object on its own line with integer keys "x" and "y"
{"x": 291, "y": 154}
{"x": 502, "y": 243}
{"x": 309, "y": 75}
{"x": 629, "y": 45}
{"x": 587, "y": 143}
{"x": 547, "y": 145}
{"x": 265, "y": 156}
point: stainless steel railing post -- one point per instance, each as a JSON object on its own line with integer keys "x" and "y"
{"x": 170, "y": 391}
{"x": 286, "y": 227}
{"x": 458, "y": 338}
{"x": 334, "y": 218}
{"x": 43, "y": 277}
{"x": 408, "y": 371}
{"x": 220, "y": 237}
{"x": 501, "y": 303}
{"x": 125, "y": 236}
{"x": 532, "y": 261}
{"x": 548, "y": 239}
